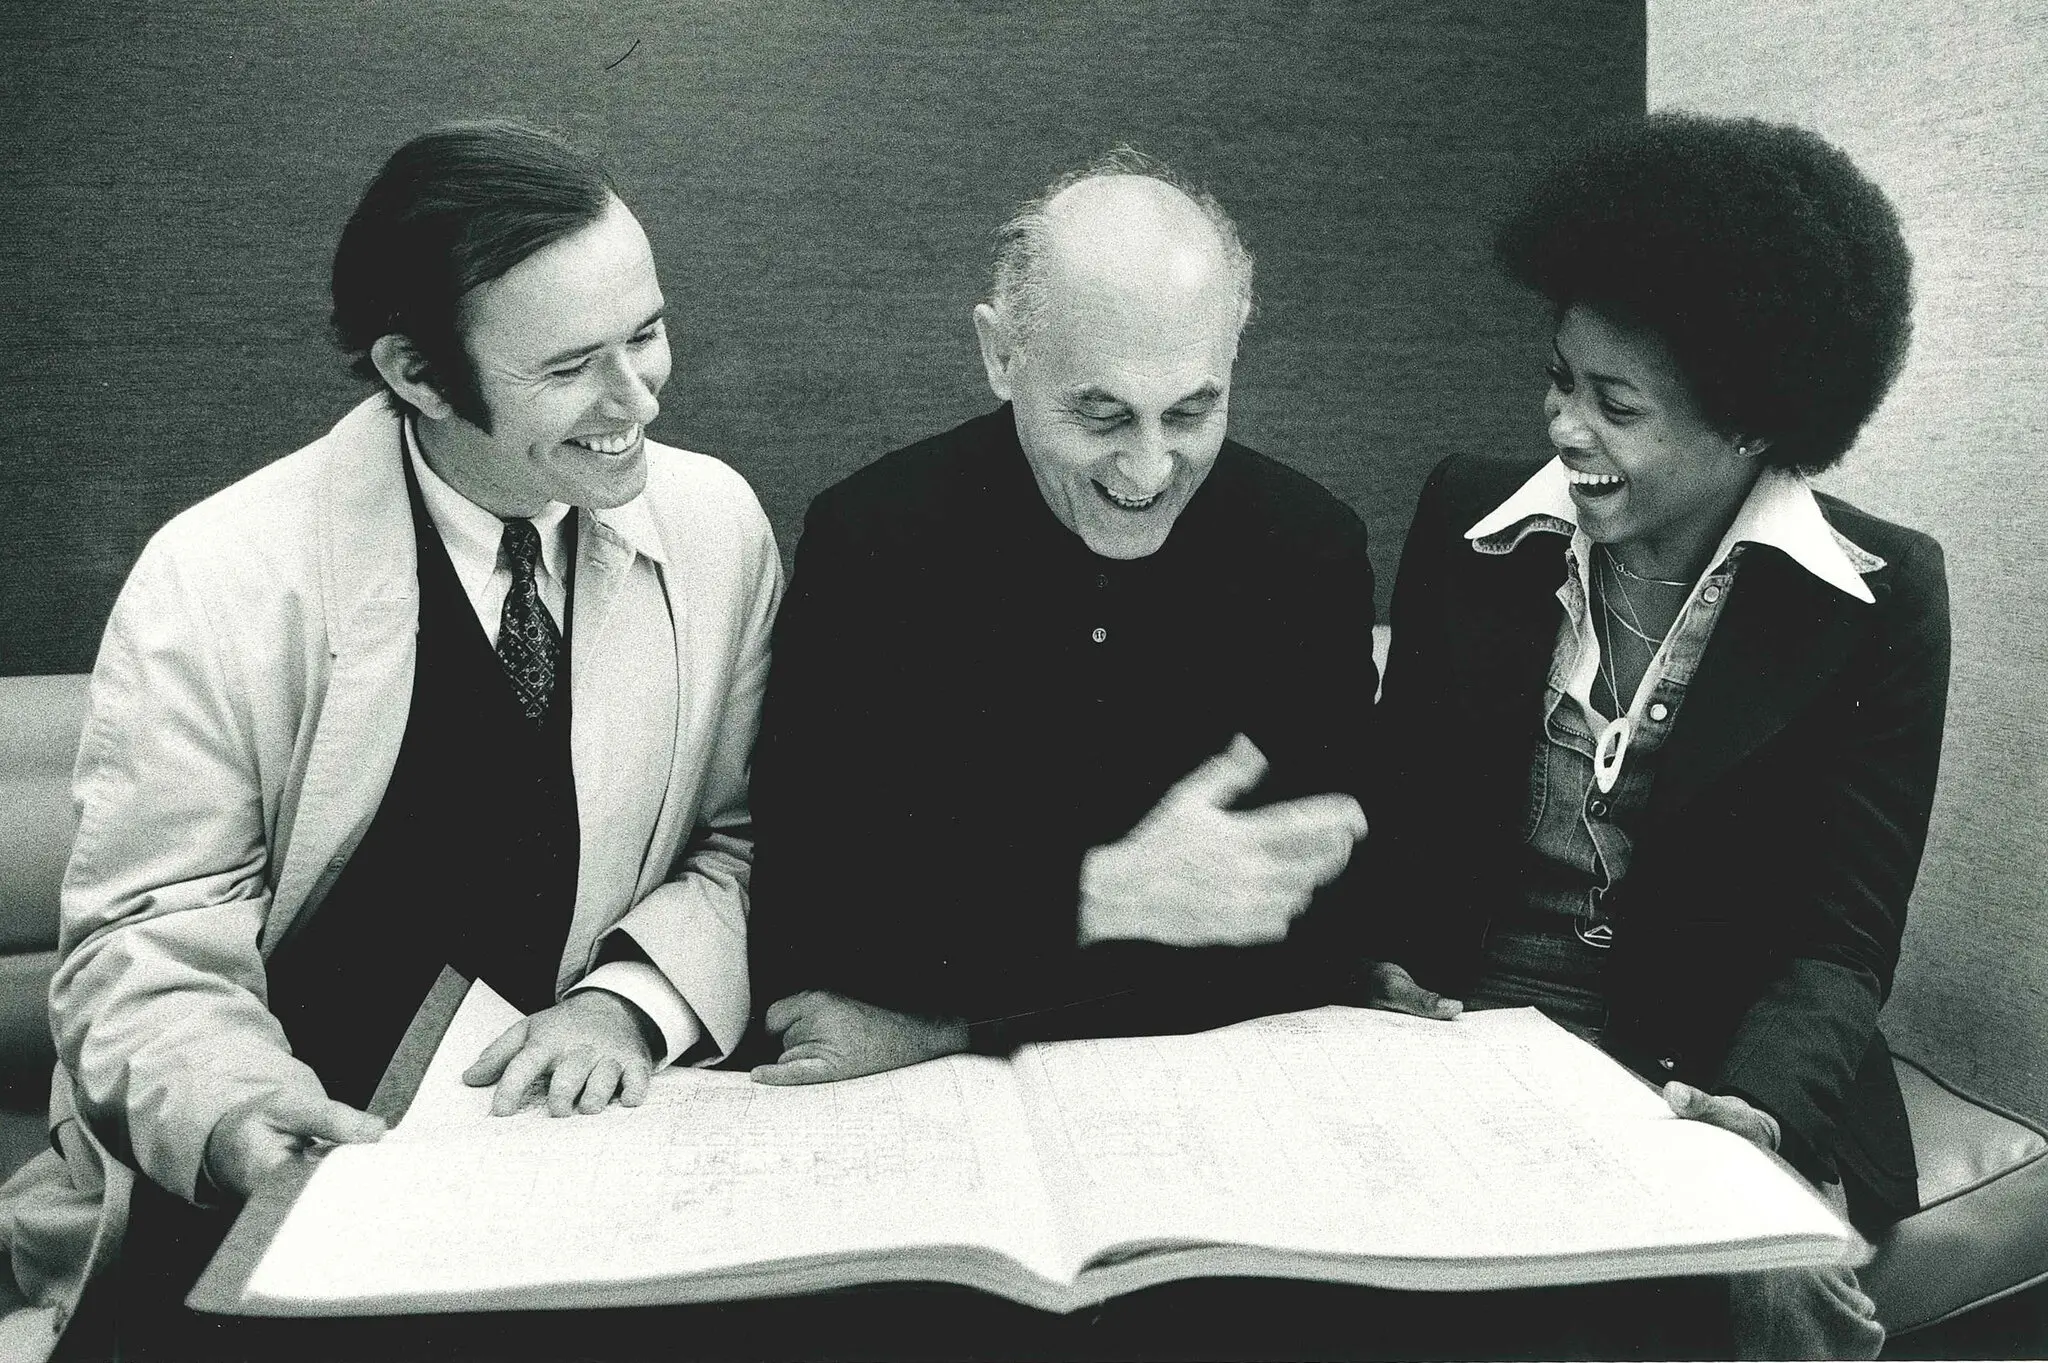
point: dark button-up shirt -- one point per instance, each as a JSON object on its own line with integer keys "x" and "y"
{"x": 964, "y": 700}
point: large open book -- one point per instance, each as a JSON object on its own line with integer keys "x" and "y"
{"x": 1337, "y": 1144}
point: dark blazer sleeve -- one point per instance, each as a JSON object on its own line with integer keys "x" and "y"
{"x": 1800, "y": 1051}
{"x": 1411, "y": 791}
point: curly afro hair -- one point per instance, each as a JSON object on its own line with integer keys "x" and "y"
{"x": 1771, "y": 268}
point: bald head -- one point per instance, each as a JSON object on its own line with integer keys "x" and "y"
{"x": 1134, "y": 252}
{"x": 1125, "y": 226}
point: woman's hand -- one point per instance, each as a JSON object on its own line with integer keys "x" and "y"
{"x": 1726, "y": 1111}
{"x": 1394, "y": 990}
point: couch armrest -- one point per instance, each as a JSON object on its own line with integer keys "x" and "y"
{"x": 1982, "y": 1229}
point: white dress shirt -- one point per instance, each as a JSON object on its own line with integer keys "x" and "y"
{"x": 472, "y": 537}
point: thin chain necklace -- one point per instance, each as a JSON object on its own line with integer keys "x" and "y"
{"x": 1632, "y": 622}
{"x": 1622, "y": 568}
{"x": 1604, "y": 636}
{"x": 1607, "y": 659}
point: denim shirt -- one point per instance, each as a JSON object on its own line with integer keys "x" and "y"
{"x": 1581, "y": 834}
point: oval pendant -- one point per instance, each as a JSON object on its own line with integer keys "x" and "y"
{"x": 1609, "y": 753}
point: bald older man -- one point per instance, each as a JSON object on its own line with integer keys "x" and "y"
{"x": 1068, "y": 704}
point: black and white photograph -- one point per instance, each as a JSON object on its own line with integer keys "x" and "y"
{"x": 931, "y": 680}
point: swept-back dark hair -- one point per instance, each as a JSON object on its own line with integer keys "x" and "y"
{"x": 1770, "y": 267}
{"x": 455, "y": 207}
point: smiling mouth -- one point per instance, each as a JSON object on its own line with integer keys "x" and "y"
{"x": 1123, "y": 503}
{"x": 607, "y": 444}
{"x": 1595, "y": 484}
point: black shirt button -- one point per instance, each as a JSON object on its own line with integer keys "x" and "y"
{"x": 1098, "y": 634}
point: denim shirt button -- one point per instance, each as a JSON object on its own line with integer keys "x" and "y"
{"x": 1711, "y": 595}
{"x": 1660, "y": 712}
{"x": 1597, "y": 808}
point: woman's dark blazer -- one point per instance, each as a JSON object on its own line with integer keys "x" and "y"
{"x": 1759, "y": 925}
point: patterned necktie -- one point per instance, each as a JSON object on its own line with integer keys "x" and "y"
{"x": 529, "y": 645}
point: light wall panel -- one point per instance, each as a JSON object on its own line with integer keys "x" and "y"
{"x": 1946, "y": 106}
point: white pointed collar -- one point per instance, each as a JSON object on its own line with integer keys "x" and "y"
{"x": 1780, "y": 511}
{"x": 472, "y": 533}
{"x": 456, "y": 516}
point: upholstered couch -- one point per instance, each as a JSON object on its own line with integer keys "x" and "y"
{"x": 40, "y": 719}
{"x": 1983, "y": 1170}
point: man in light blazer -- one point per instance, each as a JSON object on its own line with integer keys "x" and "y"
{"x": 471, "y": 679}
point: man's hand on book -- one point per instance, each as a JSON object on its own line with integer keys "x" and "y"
{"x": 1726, "y": 1111}
{"x": 256, "y": 1137}
{"x": 1394, "y": 990}
{"x": 1196, "y": 872}
{"x": 587, "y": 1050}
{"x": 827, "y": 1036}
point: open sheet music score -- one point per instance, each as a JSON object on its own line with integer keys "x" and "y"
{"x": 1337, "y": 1144}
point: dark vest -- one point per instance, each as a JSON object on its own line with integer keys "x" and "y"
{"x": 470, "y": 861}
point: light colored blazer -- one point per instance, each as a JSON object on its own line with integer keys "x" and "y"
{"x": 245, "y": 714}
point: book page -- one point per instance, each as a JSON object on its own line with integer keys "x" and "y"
{"x": 443, "y": 1100}
{"x": 1348, "y": 1132}
{"x": 713, "y": 1172}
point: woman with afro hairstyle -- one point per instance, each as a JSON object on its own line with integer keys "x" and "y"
{"x": 1662, "y": 722}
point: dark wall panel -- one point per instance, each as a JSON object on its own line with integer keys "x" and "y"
{"x": 820, "y": 181}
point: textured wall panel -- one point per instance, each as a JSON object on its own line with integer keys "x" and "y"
{"x": 820, "y": 181}
{"x": 1946, "y": 106}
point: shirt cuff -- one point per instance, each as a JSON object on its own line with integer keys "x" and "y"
{"x": 647, "y": 989}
